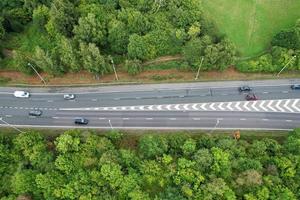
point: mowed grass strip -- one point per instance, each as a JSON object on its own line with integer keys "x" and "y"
{"x": 251, "y": 24}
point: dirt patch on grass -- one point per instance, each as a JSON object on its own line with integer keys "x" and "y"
{"x": 150, "y": 76}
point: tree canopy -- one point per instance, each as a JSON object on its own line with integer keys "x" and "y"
{"x": 83, "y": 165}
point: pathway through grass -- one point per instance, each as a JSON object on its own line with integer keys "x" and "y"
{"x": 250, "y": 24}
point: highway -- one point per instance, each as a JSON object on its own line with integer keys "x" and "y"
{"x": 207, "y": 105}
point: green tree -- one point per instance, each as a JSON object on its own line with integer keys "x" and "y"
{"x": 139, "y": 48}
{"x": 62, "y": 18}
{"x": 90, "y": 29}
{"x": 40, "y": 16}
{"x": 68, "y": 55}
{"x": 2, "y": 29}
{"x": 189, "y": 147}
{"x": 118, "y": 36}
{"x": 44, "y": 60}
{"x": 153, "y": 145}
{"x": 92, "y": 60}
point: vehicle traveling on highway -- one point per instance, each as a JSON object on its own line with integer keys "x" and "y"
{"x": 81, "y": 121}
{"x": 251, "y": 97}
{"x": 295, "y": 87}
{"x": 21, "y": 94}
{"x": 69, "y": 96}
{"x": 245, "y": 88}
{"x": 35, "y": 113}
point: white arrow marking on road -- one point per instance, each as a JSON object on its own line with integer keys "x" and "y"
{"x": 245, "y": 105}
{"x": 203, "y": 106}
{"x": 278, "y": 106}
{"x": 168, "y": 107}
{"x": 186, "y": 106}
{"x": 237, "y": 106}
{"x": 212, "y": 106}
{"x": 261, "y": 106}
{"x": 141, "y": 107}
{"x": 220, "y": 106}
{"x": 229, "y": 106}
{"x": 294, "y": 105}
{"x": 195, "y": 106}
{"x": 159, "y": 107}
{"x": 286, "y": 106}
{"x": 177, "y": 107}
{"x": 269, "y": 106}
{"x": 150, "y": 107}
{"x": 253, "y": 106}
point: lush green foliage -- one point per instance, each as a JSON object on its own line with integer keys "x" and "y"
{"x": 89, "y": 167}
{"x": 64, "y": 35}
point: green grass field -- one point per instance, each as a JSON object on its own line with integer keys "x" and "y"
{"x": 251, "y": 24}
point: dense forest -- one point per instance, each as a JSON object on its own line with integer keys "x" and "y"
{"x": 87, "y": 166}
{"x": 72, "y": 35}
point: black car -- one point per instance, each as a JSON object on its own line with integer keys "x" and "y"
{"x": 35, "y": 113}
{"x": 81, "y": 121}
{"x": 295, "y": 87}
{"x": 245, "y": 88}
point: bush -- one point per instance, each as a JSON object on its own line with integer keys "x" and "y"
{"x": 133, "y": 67}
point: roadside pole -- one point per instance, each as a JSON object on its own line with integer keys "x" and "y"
{"x": 286, "y": 65}
{"x": 217, "y": 123}
{"x": 110, "y": 124}
{"x": 30, "y": 65}
{"x": 199, "y": 69}
{"x": 113, "y": 64}
{"x": 11, "y": 125}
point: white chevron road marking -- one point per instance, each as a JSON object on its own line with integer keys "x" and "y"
{"x": 270, "y": 106}
{"x": 281, "y": 105}
{"x": 286, "y": 105}
{"x": 253, "y": 106}
{"x": 295, "y": 105}
{"x": 262, "y": 107}
{"x": 221, "y": 106}
{"x": 229, "y": 106}
{"x": 278, "y": 106}
{"x": 245, "y": 106}
{"x": 203, "y": 106}
{"x": 237, "y": 106}
{"x": 212, "y": 106}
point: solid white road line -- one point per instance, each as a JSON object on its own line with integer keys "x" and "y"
{"x": 148, "y": 128}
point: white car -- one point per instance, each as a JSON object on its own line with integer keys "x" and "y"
{"x": 21, "y": 94}
{"x": 69, "y": 96}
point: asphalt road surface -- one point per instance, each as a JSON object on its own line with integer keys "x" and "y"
{"x": 277, "y": 108}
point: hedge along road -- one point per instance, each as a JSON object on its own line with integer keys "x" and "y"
{"x": 51, "y": 102}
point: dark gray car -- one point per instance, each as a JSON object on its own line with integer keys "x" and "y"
{"x": 36, "y": 113}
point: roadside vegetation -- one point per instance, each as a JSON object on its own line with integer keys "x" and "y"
{"x": 59, "y": 37}
{"x": 86, "y": 166}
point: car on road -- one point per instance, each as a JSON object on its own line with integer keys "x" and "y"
{"x": 36, "y": 113}
{"x": 81, "y": 121}
{"x": 69, "y": 96}
{"x": 245, "y": 88}
{"x": 295, "y": 87}
{"x": 251, "y": 97}
{"x": 21, "y": 94}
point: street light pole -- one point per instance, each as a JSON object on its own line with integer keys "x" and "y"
{"x": 199, "y": 69}
{"x": 217, "y": 123}
{"x": 11, "y": 125}
{"x": 113, "y": 64}
{"x": 30, "y": 65}
{"x": 110, "y": 124}
{"x": 286, "y": 65}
